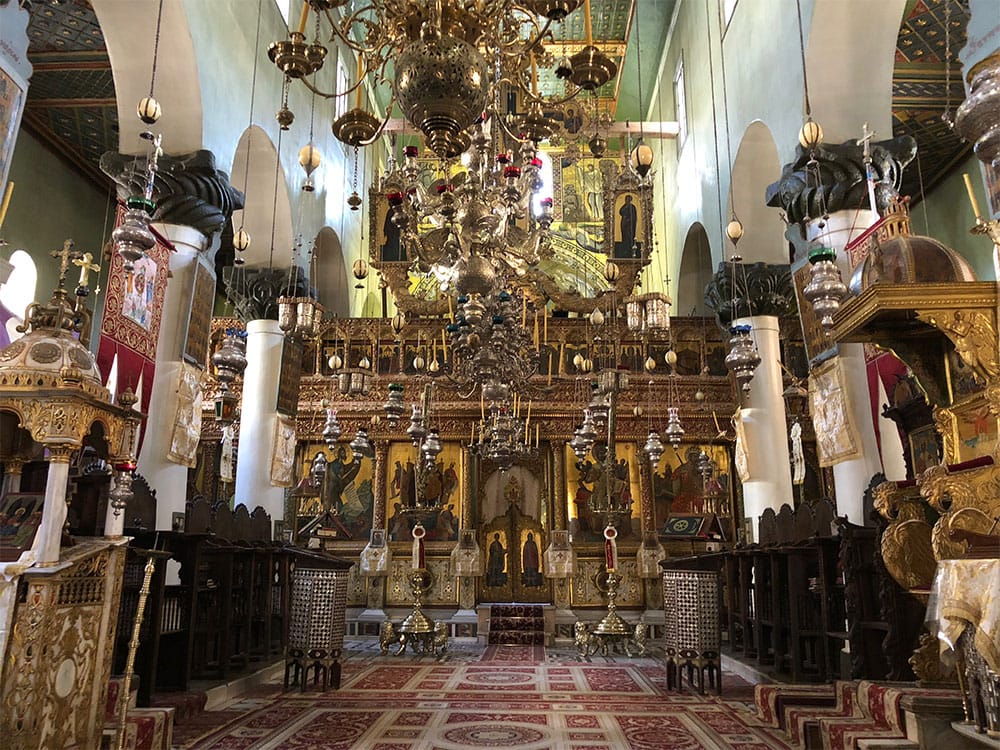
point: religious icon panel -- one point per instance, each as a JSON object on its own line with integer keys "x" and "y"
{"x": 404, "y": 481}
{"x": 514, "y": 544}
{"x": 695, "y": 479}
{"x": 336, "y": 495}
{"x": 588, "y": 478}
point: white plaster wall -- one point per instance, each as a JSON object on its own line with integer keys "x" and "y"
{"x": 231, "y": 24}
{"x": 849, "y": 51}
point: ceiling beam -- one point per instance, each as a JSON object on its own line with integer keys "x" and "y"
{"x": 70, "y": 103}
{"x": 58, "y": 66}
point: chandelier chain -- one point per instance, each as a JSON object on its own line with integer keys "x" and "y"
{"x": 156, "y": 47}
{"x": 802, "y": 54}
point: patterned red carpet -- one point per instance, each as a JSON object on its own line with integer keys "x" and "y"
{"x": 535, "y": 699}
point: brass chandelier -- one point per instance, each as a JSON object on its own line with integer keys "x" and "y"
{"x": 443, "y": 62}
{"x": 476, "y": 228}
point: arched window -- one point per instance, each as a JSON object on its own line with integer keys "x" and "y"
{"x": 283, "y": 8}
{"x": 16, "y": 295}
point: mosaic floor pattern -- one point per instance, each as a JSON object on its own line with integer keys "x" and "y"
{"x": 557, "y": 702}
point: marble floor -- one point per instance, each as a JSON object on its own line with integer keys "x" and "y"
{"x": 514, "y": 697}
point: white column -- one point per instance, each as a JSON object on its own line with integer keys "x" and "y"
{"x": 765, "y": 428}
{"x": 49, "y": 535}
{"x": 257, "y": 419}
{"x": 166, "y": 477}
{"x": 851, "y": 478}
{"x": 114, "y": 518}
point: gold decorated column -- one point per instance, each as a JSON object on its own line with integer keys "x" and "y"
{"x": 381, "y": 462}
{"x": 646, "y": 469}
{"x": 468, "y": 463}
{"x": 559, "y": 480}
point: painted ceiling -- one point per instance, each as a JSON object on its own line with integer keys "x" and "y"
{"x": 921, "y": 91}
{"x": 71, "y": 100}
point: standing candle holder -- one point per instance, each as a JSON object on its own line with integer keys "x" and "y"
{"x": 133, "y": 644}
{"x": 612, "y": 624}
{"x": 417, "y": 626}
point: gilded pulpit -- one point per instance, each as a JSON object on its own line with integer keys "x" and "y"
{"x": 917, "y": 298}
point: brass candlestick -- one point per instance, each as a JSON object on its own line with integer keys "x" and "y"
{"x": 133, "y": 644}
{"x": 417, "y": 623}
{"x": 612, "y": 624}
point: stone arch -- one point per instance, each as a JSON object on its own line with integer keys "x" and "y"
{"x": 695, "y": 272}
{"x": 330, "y": 276}
{"x": 850, "y": 88}
{"x": 129, "y": 32}
{"x": 264, "y": 198}
{"x": 10, "y": 428}
{"x": 756, "y": 166}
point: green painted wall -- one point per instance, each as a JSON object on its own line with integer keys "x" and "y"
{"x": 946, "y": 215}
{"x": 51, "y": 203}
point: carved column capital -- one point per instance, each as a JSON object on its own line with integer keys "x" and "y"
{"x": 760, "y": 289}
{"x": 187, "y": 188}
{"x": 833, "y": 177}
{"x": 60, "y": 454}
{"x": 13, "y": 465}
{"x": 254, "y": 292}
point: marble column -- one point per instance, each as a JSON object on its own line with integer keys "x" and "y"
{"x": 49, "y": 535}
{"x": 851, "y": 478}
{"x": 192, "y": 206}
{"x": 758, "y": 295}
{"x": 257, "y": 420}
{"x": 169, "y": 479}
{"x": 834, "y": 190}
{"x": 765, "y": 426}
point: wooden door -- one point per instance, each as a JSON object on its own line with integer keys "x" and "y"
{"x": 514, "y": 544}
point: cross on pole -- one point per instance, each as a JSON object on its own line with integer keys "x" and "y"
{"x": 866, "y": 141}
{"x": 64, "y": 256}
{"x": 86, "y": 265}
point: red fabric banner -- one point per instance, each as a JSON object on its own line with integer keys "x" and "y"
{"x": 133, "y": 307}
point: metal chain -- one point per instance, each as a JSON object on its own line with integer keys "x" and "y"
{"x": 156, "y": 48}
{"x": 946, "y": 115}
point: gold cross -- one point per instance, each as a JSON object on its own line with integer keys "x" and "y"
{"x": 86, "y": 265}
{"x": 64, "y": 255}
